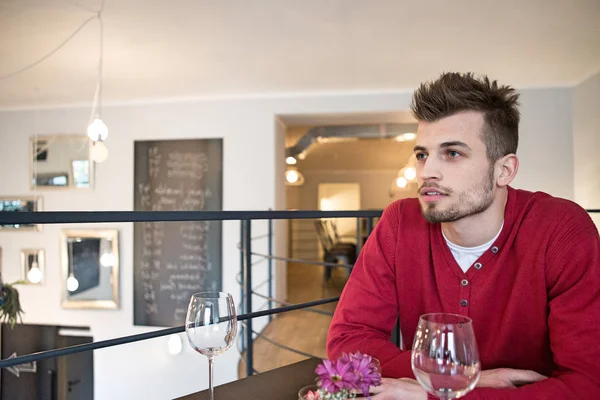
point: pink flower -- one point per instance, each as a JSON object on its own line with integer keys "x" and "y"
{"x": 355, "y": 371}
{"x": 334, "y": 377}
{"x": 312, "y": 395}
{"x": 366, "y": 371}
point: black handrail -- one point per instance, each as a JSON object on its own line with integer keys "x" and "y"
{"x": 72, "y": 217}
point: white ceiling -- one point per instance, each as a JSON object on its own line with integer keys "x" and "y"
{"x": 157, "y": 49}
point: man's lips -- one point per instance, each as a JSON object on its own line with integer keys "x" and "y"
{"x": 431, "y": 191}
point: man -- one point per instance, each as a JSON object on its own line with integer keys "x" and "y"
{"x": 525, "y": 267}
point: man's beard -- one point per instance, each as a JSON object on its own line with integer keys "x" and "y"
{"x": 472, "y": 201}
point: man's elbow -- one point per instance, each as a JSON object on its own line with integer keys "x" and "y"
{"x": 336, "y": 344}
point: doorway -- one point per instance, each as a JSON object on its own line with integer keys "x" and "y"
{"x": 340, "y": 197}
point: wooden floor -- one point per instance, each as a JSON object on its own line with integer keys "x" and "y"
{"x": 301, "y": 330}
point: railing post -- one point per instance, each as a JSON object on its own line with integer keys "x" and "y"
{"x": 369, "y": 226}
{"x": 270, "y": 233}
{"x": 248, "y": 285}
{"x": 243, "y": 279}
{"x": 358, "y": 237}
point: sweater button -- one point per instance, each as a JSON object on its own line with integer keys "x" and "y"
{"x": 464, "y": 282}
{"x": 478, "y": 265}
{"x": 464, "y": 303}
{"x": 494, "y": 249}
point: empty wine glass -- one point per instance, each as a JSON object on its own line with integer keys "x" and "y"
{"x": 445, "y": 359}
{"x": 211, "y": 326}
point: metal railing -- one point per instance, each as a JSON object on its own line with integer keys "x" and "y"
{"x": 246, "y": 253}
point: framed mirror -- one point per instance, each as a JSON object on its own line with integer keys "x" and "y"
{"x": 90, "y": 268}
{"x": 33, "y": 266}
{"x": 60, "y": 162}
{"x": 20, "y": 204}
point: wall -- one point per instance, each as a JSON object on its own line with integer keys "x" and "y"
{"x": 145, "y": 369}
{"x": 586, "y": 143}
{"x": 281, "y": 226}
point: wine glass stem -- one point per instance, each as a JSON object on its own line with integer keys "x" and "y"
{"x": 211, "y": 361}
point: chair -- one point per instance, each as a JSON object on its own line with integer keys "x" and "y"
{"x": 334, "y": 252}
{"x": 335, "y": 236}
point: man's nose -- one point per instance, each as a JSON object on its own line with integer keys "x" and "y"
{"x": 429, "y": 169}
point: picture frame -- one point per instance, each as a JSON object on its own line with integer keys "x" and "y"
{"x": 89, "y": 268}
{"x": 33, "y": 266}
{"x": 21, "y": 204}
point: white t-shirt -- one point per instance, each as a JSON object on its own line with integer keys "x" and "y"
{"x": 466, "y": 256}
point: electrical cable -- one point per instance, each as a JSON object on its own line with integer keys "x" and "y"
{"x": 6, "y": 76}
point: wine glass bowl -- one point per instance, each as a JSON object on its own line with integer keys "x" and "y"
{"x": 211, "y": 326}
{"x": 445, "y": 358}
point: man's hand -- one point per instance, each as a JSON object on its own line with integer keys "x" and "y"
{"x": 402, "y": 388}
{"x": 508, "y": 378}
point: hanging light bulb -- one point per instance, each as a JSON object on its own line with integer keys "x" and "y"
{"x": 35, "y": 274}
{"x": 290, "y": 160}
{"x": 97, "y": 130}
{"x": 401, "y": 182}
{"x": 292, "y": 176}
{"x": 72, "y": 283}
{"x": 410, "y": 173}
{"x": 99, "y": 152}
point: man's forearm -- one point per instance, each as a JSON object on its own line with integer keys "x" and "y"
{"x": 568, "y": 386}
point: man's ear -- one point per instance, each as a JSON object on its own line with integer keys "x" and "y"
{"x": 506, "y": 169}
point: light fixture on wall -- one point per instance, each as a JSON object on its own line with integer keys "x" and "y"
{"x": 97, "y": 130}
{"x": 290, "y": 161}
{"x": 293, "y": 177}
{"x": 174, "y": 344}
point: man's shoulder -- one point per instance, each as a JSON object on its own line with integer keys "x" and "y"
{"x": 544, "y": 207}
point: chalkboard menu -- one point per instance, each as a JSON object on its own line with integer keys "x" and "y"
{"x": 173, "y": 260}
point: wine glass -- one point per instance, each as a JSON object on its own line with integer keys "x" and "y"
{"x": 444, "y": 358}
{"x": 211, "y": 326}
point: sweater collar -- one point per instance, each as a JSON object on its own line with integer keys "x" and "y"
{"x": 496, "y": 248}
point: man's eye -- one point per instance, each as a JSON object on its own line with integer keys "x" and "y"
{"x": 420, "y": 156}
{"x": 453, "y": 154}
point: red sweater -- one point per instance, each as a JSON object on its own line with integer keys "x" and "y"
{"x": 535, "y": 301}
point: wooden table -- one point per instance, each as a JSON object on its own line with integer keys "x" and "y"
{"x": 278, "y": 384}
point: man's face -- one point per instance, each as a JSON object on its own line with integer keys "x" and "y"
{"x": 455, "y": 177}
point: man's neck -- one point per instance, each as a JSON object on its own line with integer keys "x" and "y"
{"x": 478, "y": 229}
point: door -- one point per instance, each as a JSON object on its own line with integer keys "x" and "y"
{"x": 76, "y": 371}
{"x": 33, "y": 380}
{"x": 341, "y": 197}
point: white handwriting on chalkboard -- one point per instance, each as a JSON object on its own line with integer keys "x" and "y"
{"x": 187, "y": 165}
{"x": 154, "y": 157}
{"x": 189, "y": 286}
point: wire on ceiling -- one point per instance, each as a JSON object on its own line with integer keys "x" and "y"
{"x": 97, "y": 15}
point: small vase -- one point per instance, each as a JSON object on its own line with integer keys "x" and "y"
{"x": 304, "y": 391}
